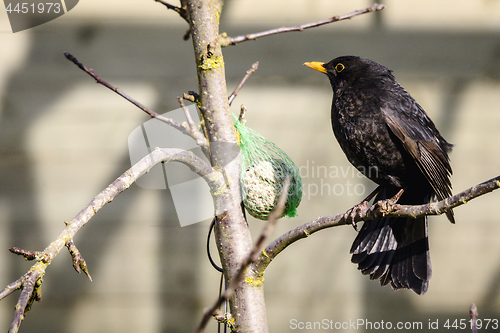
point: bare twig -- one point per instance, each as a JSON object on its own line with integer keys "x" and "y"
{"x": 238, "y": 88}
{"x": 193, "y": 130}
{"x": 28, "y": 255}
{"x": 196, "y": 135}
{"x": 90, "y": 72}
{"x": 473, "y": 317}
{"x": 190, "y": 125}
{"x": 181, "y": 11}
{"x": 30, "y": 282}
{"x": 225, "y": 40}
{"x": 10, "y": 289}
{"x": 252, "y": 256}
{"x": 79, "y": 263}
{"x": 376, "y": 211}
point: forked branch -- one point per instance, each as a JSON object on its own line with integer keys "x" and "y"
{"x": 30, "y": 282}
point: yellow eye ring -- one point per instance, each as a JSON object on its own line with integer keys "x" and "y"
{"x": 339, "y": 67}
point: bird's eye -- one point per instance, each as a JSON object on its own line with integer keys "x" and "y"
{"x": 339, "y": 67}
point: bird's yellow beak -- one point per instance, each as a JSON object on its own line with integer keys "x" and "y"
{"x": 316, "y": 65}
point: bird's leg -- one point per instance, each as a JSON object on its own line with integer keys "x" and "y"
{"x": 351, "y": 213}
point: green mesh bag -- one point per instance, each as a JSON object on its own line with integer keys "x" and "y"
{"x": 263, "y": 172}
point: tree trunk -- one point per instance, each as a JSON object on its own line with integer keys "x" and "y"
{"x": 231, "y": 231}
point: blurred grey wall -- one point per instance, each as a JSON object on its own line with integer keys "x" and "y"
{"x": 63, "y": 139}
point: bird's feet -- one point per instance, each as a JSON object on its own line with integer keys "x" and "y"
{"x": 351, "y": 214}
{"x": 355, "y": 211}
{"x": 386, "y": 205}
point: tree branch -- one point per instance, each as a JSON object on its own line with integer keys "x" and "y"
{"x": 225, "y": 40}
{"x": 378, "y": 210}
{"x": 30, "y": 282}
{"x": 238, "y": 88}
{"x": 193, "y": 133}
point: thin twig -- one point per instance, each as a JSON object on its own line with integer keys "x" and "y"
{"x": 238, "y": 88}
{"x": 378, "y": 210}
{"x": 276, "y": 213}
{"x": 196, "y": 135}
{"x": 10, "y": 289}
{"x": 150, "y": 112}
{"x": 194, "y": 131}
{"x": 225, "y": 41}
{"x": 30, "y": 284}
{"x": 181, "y": 11}
{"x": 90, "y": 72}
{"x": 28, "y": 255}
{"x": 79, "y": 263}
{"x": 190, "y": 123}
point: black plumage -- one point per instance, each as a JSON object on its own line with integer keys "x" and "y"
{"x": 387, "y": 135}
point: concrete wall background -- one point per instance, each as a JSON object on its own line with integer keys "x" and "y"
{"x": 63, "y": 139}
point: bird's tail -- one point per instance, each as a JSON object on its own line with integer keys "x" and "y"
{"x": 395, "y": 249}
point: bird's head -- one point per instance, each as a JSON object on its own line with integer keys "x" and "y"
{"x": 350, "y": 70}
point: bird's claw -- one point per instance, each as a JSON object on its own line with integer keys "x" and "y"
{"x": 354, "y": 225}
{"x": 351, "y": 214}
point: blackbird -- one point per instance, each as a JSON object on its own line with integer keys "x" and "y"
{"x": 388, "y": 137}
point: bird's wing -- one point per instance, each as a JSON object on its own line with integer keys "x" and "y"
{"x": 409, "y": 123}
